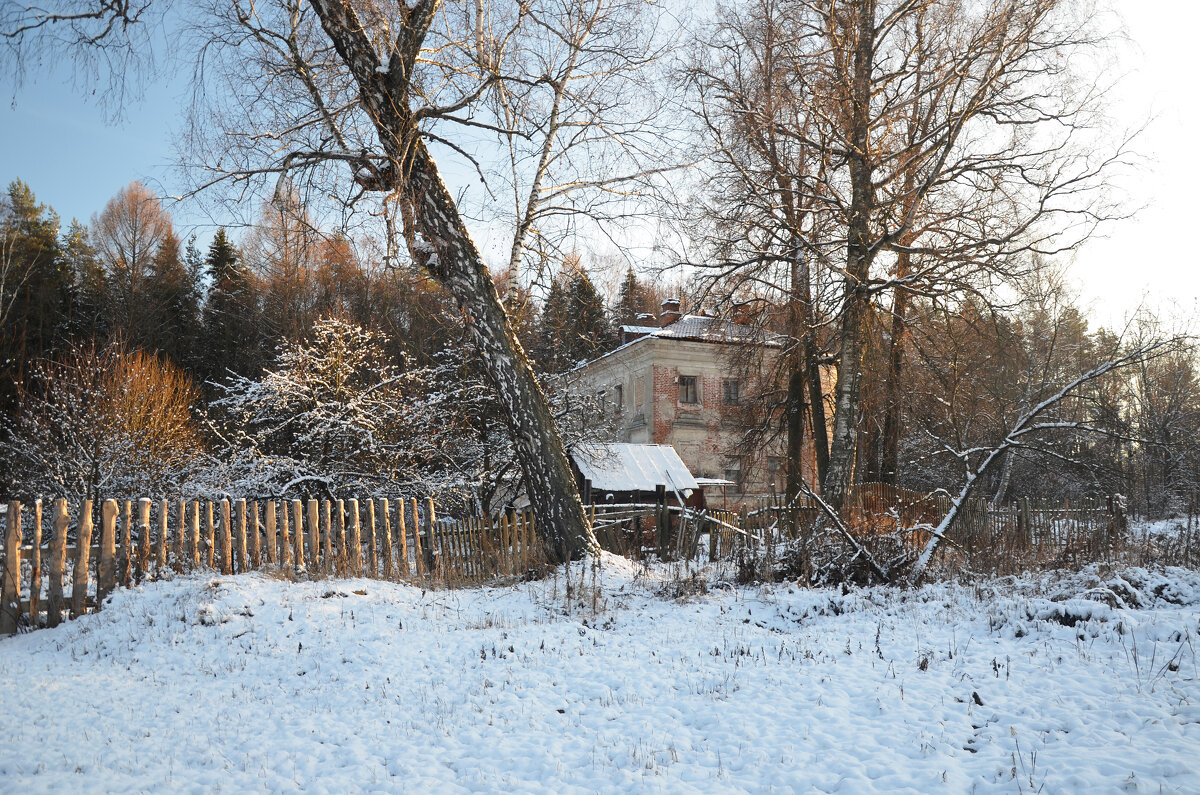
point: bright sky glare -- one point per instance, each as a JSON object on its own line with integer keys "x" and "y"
{"x": 55, "y": 139}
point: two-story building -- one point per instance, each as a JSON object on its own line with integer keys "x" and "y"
{"x": 674, "y": 382}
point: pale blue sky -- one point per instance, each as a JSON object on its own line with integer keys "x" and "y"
{"x": 55, "y": 138}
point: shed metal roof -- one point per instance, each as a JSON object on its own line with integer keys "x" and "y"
{"x": 633, "y": 467}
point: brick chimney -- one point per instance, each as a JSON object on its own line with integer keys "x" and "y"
{"x": 670, "y": 312}
{"x": 645, "y": 319}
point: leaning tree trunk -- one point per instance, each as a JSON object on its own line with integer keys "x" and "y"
{"x": 438, "y": 240}
{"x": 450, "y": 255}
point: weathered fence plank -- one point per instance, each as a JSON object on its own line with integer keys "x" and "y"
{"x": 106, "y": 575}
{"x": 255, "y": 537}
{"x": 162, "y": 546}
{"x": 285, "y": 541}
{"x": 239, "y": 527}
{"x": 298, "y": 540}
{"x": 10, "y": 589}
{"x": 372, "y": 545}
{"x": 326, "y": 533}
{"x": 125, "y": 547}
{"x": 142, "y": 557}
{"x": 272, "y": 535}
{"x": 83, "y": 551}
{"x": 389, "y": 566}
{"x": 314, "y": 536}
{"x": 35, "y": 567}
{"x": 402, "y": 534}
{"x": 355, "y": 542}
{"x": 58, "y": 564}
{"x": 210, "y": 535}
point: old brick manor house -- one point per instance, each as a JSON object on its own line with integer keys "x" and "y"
{"x": 673, "y": 383}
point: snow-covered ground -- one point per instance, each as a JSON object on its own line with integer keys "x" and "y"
{"x": 641, "y": 682}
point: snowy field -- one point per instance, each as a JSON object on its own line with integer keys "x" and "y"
{"x": 1087, "y": 683}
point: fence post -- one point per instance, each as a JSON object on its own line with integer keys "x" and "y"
{"x": 372, "y": 544}
{"x": 272, "y": 545}
{"x": 298, "y": 540}
{"x": 388, "y": 564}
{"x": 314, "y": 536}
{"x": 10, "y": 591}
{"x": 106, "y": 576}
{"x": 35, "y": 566}
{"x": 142, "y": 564}
{"x": 83, "y": 554}
{"x": 58, "y": 564}
{"x": 226, "y": 537}
{"x": 431, "y": 557}
{"x": 210, "y": 535}
{"x": 255, "y": 537}
{"x": 402, "y": 534}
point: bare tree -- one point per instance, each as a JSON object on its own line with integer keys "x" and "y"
{"x": 1030, "y": 430}
{"x": 760, "y": 216}
{"x": 127, "y": 234}
{"x": 943, "y": 140}
{"x": 345, "y": 98}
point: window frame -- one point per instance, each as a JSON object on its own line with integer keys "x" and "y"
{"x": 694, "y": 382}
{"x": 726, "y": 383}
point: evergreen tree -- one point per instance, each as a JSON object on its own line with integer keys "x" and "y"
{"x": 173, "y": 301}
{"x": 88, "y": 320}
{"x": 630, "y": 302}
{"x": 554, "y": 328}
{"x": 34, "y": 286}
{"x": 574, "y": 326}
{"x": 590, "y": 334}
{"x": 232, "y": 328}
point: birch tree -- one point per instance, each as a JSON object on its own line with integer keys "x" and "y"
{"x": 346, "y": 98}
{"x": 933, "y": 144}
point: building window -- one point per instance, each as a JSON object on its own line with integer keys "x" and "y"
{"x": 619, "y": 397}
{"x": 731, "y": 394}
{"x": 733, "y": 473}
{"x": 689, "y": 389}
{"x": 639, "y": 395}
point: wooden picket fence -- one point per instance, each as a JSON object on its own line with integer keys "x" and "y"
{"x": 987, "y": 537}
{"x": 73, "y": 568}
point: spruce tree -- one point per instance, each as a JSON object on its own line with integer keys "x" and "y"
{"x": 630, "y": 301}
{"x": 173, "y": 300}
{"x": 34, "y": 285}
{"x": 554, "y": 328}
{"x": 88, "y": 320}
{"x": 232, "y": 329}
{"x": 589, "y": 331}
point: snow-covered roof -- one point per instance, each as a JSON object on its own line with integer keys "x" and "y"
{"x": 709, "y": 329}
{"x": 696, "y": 328}
{"x": 702, "y": 482}
{"x": 633, "y": 467}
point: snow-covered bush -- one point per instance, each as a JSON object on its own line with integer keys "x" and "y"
{"x": 101, "y": 423}
{"x": 336, "y": 417}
